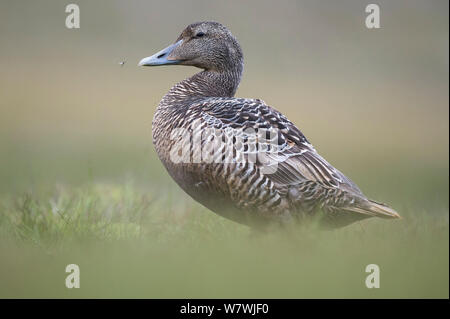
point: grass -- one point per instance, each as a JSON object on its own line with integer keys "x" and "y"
{"x": 100, "y": 212}
{"x": 131, "y": 241}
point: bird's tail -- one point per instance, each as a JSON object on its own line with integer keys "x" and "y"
{"x": 374, "y": 209}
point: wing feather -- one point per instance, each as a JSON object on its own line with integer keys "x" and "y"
{"x": 296, "y": 159}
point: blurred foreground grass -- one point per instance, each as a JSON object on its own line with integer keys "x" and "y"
{"x": 140, "y": 236}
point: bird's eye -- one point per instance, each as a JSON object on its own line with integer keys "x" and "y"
{"x": 199, "y": 34}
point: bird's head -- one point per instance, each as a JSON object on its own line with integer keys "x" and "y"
{"x": 206, "y": 45}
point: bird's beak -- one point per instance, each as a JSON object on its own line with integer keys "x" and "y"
{"x": 162, "y": 57}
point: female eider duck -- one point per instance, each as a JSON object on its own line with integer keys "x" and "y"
{"x": 259, "y": 180}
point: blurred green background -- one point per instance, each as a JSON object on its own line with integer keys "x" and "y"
{"x": 80, "y": 181}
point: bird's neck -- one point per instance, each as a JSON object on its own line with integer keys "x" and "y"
{"x": 217, "y": 84}
{"x": 207, "y": 84}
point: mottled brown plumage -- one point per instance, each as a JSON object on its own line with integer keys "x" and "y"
{"x": 301, "y": 186}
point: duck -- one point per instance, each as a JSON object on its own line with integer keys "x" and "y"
{"x": 239, "y": 157}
